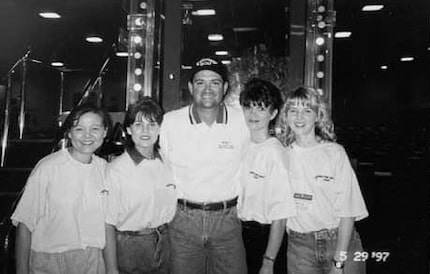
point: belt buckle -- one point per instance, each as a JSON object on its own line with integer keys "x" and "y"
{"x": 224, "y": 205}
{"x": 321, "y": 234}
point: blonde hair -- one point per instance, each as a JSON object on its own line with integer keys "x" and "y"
{"x": 324, "y": 128}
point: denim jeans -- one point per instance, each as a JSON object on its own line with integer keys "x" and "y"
{"x": 85, "y": 261}
{"x": 143, "y": 254}
{"x": 207, "y": 242}
{"x": 311, "y": 254}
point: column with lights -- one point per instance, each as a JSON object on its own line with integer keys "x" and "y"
{"x": 140, "y": 25}
{"x": 319, "y": 46}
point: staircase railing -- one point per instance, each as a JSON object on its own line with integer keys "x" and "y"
{"x": 90, "y": 89}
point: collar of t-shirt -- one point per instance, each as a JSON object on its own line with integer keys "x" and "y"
{"x": 137, "y": 157}
{"x": 222, "y": 116}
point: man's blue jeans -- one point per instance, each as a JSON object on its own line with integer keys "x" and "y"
{"x": 312, "y": 253}
{"x": 207, "y": 242}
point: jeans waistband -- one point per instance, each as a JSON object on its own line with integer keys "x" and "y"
{"x": 146, "y": 231}
{"x": 208, "y": 206}
{"x": 254, "y": 225}
{"x": 317, "y": 235}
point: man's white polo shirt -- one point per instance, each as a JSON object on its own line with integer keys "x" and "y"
{"x": 205, "y": 160}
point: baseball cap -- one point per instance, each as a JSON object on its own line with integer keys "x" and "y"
{"x": 212, "y": 65}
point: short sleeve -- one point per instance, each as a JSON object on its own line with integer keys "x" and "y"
{"x": 164, "y": 144}
{"x": 32, "y": 204}
{"x": 279, "y": 198}
{"x": 113, "y": 199}
{"x": 351, "y": 202}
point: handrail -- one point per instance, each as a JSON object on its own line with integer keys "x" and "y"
{"x": 6, "y": 123}
{"x": 89, "y": 89}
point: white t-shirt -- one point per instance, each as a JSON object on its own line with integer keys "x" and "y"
{"x": 63, "y": 204}
{"x": 324, "y": 186}
{"x": 265, "y": 189}
{"x": 143, "y": 193}
{"x": 205, "y": 160}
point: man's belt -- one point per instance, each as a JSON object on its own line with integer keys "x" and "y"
{"x": 208, "y": 206}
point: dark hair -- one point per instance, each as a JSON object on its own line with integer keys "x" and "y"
{"x": 74, "y": 116}
{"x": 145, "y": 108}
{"x": 262, "y": 93}
{"x": 211, "y": 64}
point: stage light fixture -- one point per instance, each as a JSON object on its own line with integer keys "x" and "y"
{"x": 215, "y": 37}
{"x": 407, "y": 59}
{"x": 372, "y": 7}
{"x": 221, "y": 52}
{"x": 137, "y": 87}
{"x": 121, "y": 54}
{"x": 203, "y": 12}
{"x": 94, "y": 39}
{"x": 138, "y": 71}
{"x": 57, "y": 64}
{"x": 342, "y": 34}
{"x": 49, "y": 15}
{"x": 320, "y": 41}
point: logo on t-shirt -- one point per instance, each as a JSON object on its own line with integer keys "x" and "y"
{"x": 225, "y": 145}
{"x": 255, "y": 175}
{"x": 324, "y": 179}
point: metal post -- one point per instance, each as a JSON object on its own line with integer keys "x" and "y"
{"x": 6, "y": 119}
{"x": 21, "y": 118}
{"x": 149, "y": 48}
{"x": 60, "y": 108}
{"x": 172, "y": 55}
{"x": 297, "y": 42}
{"x": 319, "y": 46}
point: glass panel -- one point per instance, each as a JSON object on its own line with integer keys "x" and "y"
{"x": 252, "y": 37}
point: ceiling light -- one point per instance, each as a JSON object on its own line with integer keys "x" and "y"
{"x": 203, "y": 12}
{"x": 121, "y": 54}
{"x": 226, "y": 62}
{"x": 342, "y": 34}
{"x": 94, "y": 39}
{"x": 428, "y": 48}
{"x": 407, "y": 59}
{"x": 57, "y": 64}
{"x": 221, "y": 52}
{"x": 49, "y": 15}
{"x": 384, "y": 67}
{"x": 215, "y": 37}
{"x": 244, "y": 29}
{"x": 186, "y": 67}
{"x": 372, "y": 7}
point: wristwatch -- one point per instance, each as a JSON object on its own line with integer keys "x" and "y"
{"x": 338, "y": 264}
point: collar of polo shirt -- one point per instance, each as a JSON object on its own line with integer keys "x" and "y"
{"x": 222, "y": 116}
{"x": 137, "y": 157}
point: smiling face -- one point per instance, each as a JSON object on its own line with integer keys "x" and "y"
{"x": 301, "y": 118}
{"x": 207, "y": 89}
{"x": 86, "y": 136}
{"x": 144, "y": 133}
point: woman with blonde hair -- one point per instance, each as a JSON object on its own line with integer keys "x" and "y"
{"x": 321, "y": 237}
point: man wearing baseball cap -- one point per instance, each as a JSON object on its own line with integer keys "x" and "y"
{"x": 203, "y": 143}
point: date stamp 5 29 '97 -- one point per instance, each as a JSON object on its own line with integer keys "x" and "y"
{"x": 362, "y": 256}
